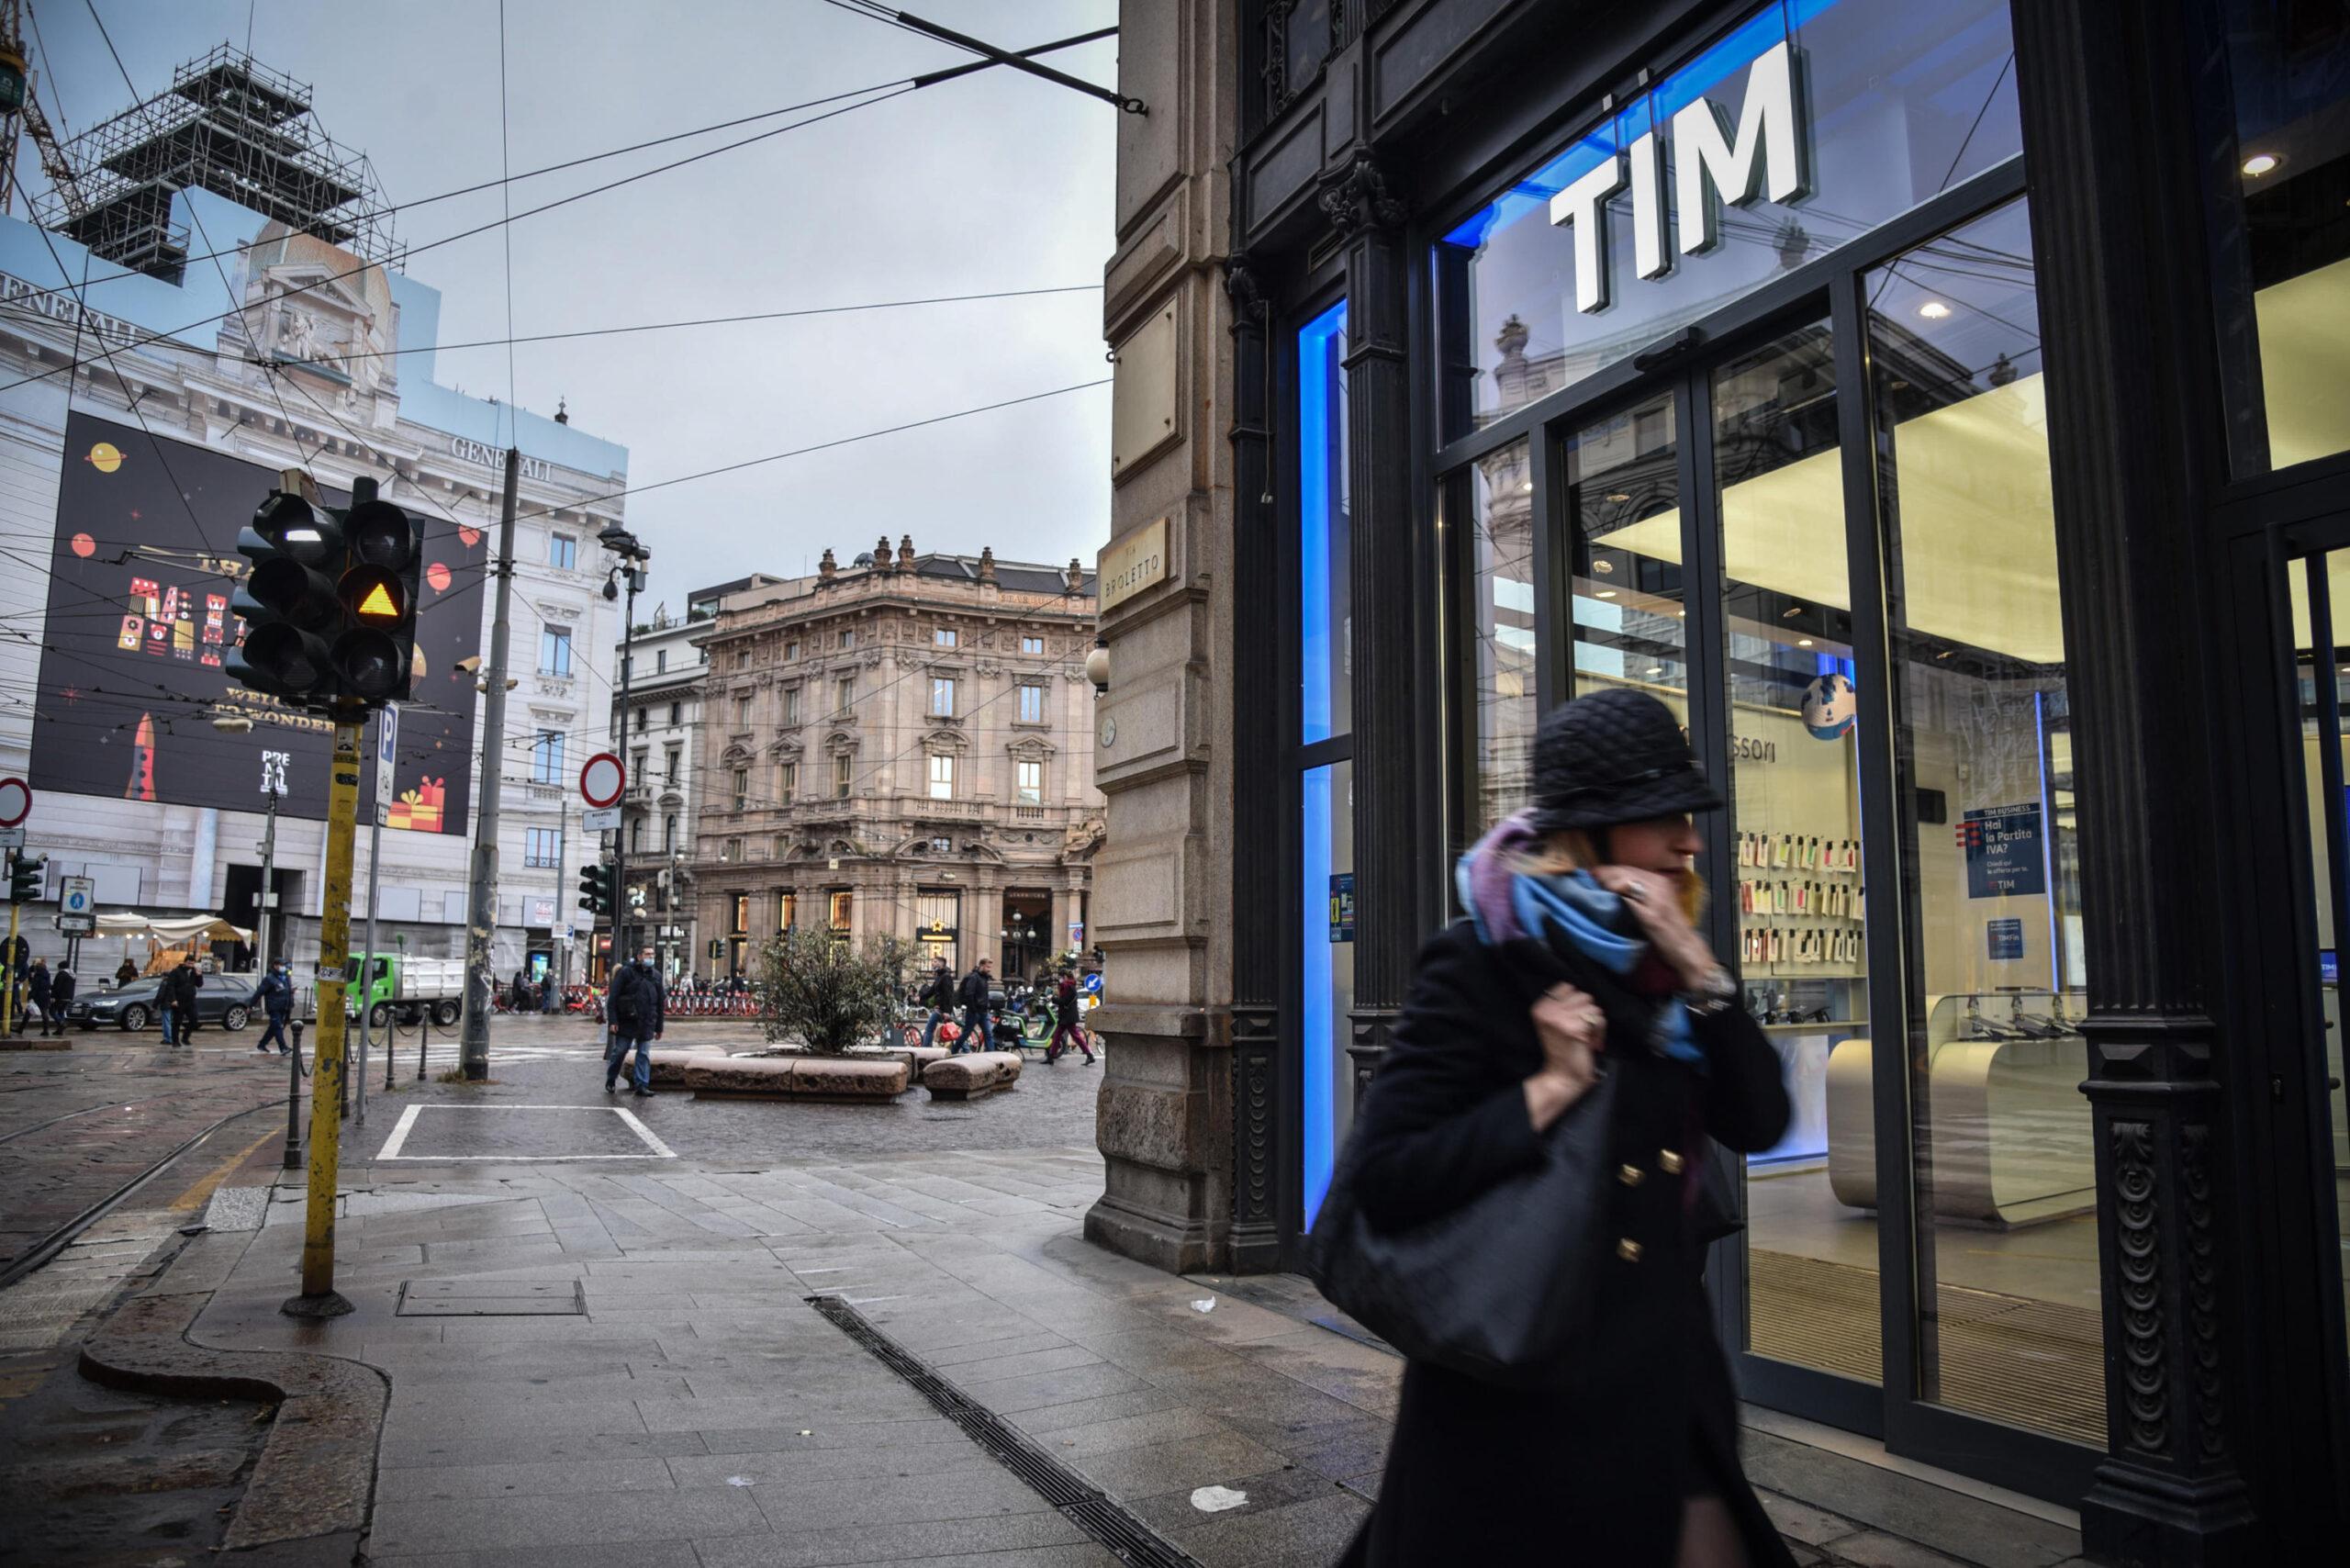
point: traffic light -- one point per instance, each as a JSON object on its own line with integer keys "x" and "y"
{"x": 26, "y": 879}
{"x": 330, "y": 603}
{"x": 595, "y": 890}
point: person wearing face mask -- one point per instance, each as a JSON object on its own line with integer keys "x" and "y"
{"x": 1580, "y": 957}
{"x": 275, "y": 994}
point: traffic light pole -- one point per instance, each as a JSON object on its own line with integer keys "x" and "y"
{"x": 268, "y": 880}
{"x": 367, "y": 959}
{"x": 319, "y": 1298}
{"x": 619, "y": 835}
{"x": 9, "y": 980}
{"x": 481, "y": 904}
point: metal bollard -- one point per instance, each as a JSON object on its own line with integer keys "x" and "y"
{"x": 423, "y": 1041}
{"x": 292, "y": 1160}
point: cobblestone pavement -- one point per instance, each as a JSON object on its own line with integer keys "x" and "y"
{"x": 597, "y": 1359}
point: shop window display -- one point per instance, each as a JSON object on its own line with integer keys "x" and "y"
{"x": 2319, "y": 586}
{"x": 2001, "y": 1137}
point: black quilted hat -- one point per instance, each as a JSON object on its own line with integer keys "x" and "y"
{"x": 1614, "y": 755}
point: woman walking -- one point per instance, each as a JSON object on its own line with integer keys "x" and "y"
{"x": 1579, "y": 958}
{"x": 1067, "y": 1020}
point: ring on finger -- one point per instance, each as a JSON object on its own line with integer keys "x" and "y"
{"x": 1635, "y": 891}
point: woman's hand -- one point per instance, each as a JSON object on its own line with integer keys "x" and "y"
{"x": 1573, "y": 1031}
{"x": 1655, "y": 901}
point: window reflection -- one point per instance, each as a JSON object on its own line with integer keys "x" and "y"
{"x": 2005, "y": 1180}
{"x": 1499, "y": 514}
{"x": 1624, "y": 513}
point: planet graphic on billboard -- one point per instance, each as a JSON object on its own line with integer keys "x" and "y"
{"x": 1829, "y": 705}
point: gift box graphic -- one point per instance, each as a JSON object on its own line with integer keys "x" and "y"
{"x": 420, "y": 808}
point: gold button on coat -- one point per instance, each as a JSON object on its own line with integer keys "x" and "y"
{"x": 1630, "y": 1175}
{"x": 1629, "y": 1251}
{"x": 1669, "y": 1162}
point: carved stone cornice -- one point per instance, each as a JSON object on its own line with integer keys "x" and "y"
{"x": 1248, "y": 293}
{"x": 1357, "y": 199}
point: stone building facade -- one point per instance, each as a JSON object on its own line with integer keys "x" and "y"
{"x": 902, "y": 746}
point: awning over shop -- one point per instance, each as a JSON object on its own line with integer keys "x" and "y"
{"x": 172, "y": 932}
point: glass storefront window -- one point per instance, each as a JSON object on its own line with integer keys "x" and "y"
{"x": 2001, "y": 1138}
{"x": 2286, "y": 332}
{"x": 1796, "y": 831}
{"x": 2328, "y": 574}
{"x": 1326, "y": 627}
{"x": 1327, "y": 970}
{"x": 1623, "y": 507}
{"x": 1887, "y": 102}
{"x": 1495, "y": 496}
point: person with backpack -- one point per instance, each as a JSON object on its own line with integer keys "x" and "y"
{"x": 974, "y": 995}
{"x": 635, "y": 1005}
{"x": 275, "y": 994}
{"x": 1065, "y": 1020}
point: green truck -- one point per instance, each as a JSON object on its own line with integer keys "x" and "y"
{"x": 392, "y": 985}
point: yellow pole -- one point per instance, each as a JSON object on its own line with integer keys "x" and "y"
{"x": 319, "y": 1298}
{"x": 9, "y": 991}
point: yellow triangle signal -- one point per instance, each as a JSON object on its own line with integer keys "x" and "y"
{"x": 378, "y": 602}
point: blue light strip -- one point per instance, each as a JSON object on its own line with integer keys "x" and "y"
{"x": 1317, "y": 1025}
{"x": 1321, "y": 446}
{"x": 1744, "y": 44}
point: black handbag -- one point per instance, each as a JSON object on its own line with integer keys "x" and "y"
{"x": 1502, "y": 1288}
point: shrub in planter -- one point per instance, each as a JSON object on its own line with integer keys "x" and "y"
{"x": 829, "y": 995}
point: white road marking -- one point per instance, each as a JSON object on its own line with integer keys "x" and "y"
{"x": 399, "y": 1139}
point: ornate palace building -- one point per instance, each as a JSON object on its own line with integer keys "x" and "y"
{"x": 901, "y": 746}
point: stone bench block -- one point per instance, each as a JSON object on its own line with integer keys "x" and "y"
{"x": 669, "y": 1064}
{"x": 798, "y": 1077}
{"x": 971, "y": 1076}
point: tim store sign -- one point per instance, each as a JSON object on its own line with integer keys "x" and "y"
{"x": 1715, "y": 163}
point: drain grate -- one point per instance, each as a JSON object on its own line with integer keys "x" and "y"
{"x": 1081, "y": 1503}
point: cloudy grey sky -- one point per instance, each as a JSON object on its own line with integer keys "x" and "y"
{"x": 995, "y": 181}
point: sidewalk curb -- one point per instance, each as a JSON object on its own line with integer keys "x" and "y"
{"x": 315, "y": 1479}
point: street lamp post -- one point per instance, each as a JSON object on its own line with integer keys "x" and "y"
{"x": 633, "y": 555}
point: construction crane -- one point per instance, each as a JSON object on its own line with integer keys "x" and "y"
{"x": 20, "y": 115}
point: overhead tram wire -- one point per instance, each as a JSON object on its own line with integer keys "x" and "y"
{"x": 670, "y": 326}
{"x": 930, "y": 79}
{"x": 414, "y": 251}
{"x": 866, "y": 98}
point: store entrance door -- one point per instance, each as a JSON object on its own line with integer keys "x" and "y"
{"x": 1829, "y": 546}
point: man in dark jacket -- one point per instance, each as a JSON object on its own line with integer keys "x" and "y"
{"x": 938, "y": 996}
{"x": 182, "y": 984}
{"x": 36, "y": 984}
{"x": 275, "y": 994}
{"x": 973, "y": 996}
{"x": 636, "y": 1007}
{"x": 61, "y": 997}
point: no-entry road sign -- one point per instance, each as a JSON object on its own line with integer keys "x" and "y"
{"x": 601, "y": 779}
{"x": 16, "y": 801}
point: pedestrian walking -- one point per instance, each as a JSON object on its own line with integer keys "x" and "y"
{"x": 637, "y": 1008}
{"x": 36, "y": 991}
{"x": 1067, "y": 1024}
{"x": 182, "y": 983}
{"x": 938, "y": 996}
{"x": 60, "y": 996}
{"x": 1578, "y": 964}
{"x": 973, "y": 996}
{"x": 275, "y": 994}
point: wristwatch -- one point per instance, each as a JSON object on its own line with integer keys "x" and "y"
{"x": 1712, "y": 994}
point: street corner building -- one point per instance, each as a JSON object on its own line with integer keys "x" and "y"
{"x": 213, "y": 301}
{"x": 901, "y": 746}
{"x": 1946, "y": 411}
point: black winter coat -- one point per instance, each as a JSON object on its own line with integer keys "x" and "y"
{"x": 973, "y": 993}
{"x": 1596, "y": 1475}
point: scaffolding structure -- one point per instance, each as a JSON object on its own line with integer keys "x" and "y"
{"x": 233, "y": 127}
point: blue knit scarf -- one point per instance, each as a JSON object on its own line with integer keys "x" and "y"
{"x": 1504, "y": 904}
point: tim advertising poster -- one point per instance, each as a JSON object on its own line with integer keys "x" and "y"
{"x": 133, "y": 662}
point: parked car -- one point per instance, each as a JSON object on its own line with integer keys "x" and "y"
{"x": 223, "y": 1000}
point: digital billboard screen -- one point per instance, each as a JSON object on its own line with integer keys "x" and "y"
{"x": 133, "y": 659}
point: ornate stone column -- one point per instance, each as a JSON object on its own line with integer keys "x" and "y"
{"x": 1380, "y": 646}
{"x": 2126, "y": 310}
